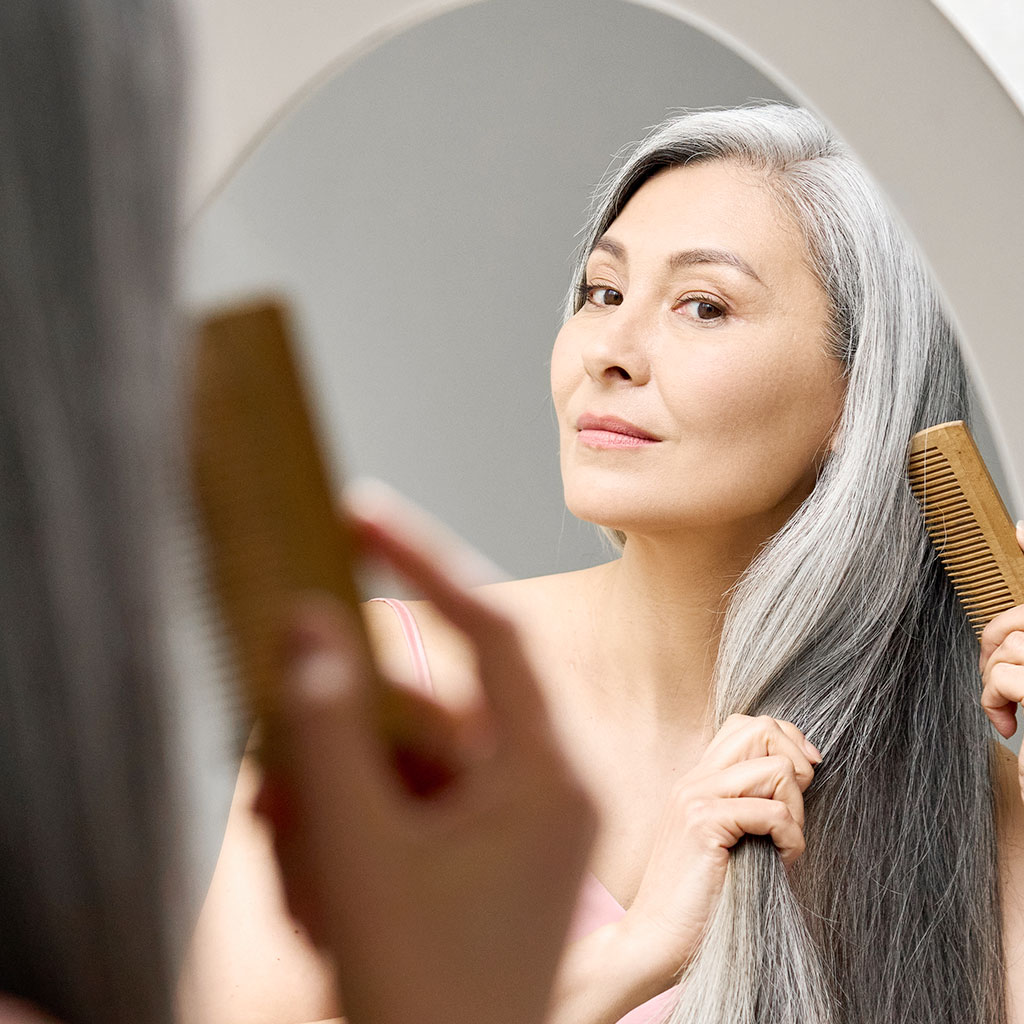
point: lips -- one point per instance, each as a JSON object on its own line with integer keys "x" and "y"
{"x": 612, "y": 432}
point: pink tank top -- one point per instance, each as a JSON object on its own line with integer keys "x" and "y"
{"x": 596, "y": 906}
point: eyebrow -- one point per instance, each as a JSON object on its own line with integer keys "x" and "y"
{"x": 686, "y": 257}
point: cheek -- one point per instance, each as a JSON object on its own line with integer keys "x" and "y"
{"x": 762, "y": 395}
{"x": 759, "y": 425}
{"x": 565, "y": 367}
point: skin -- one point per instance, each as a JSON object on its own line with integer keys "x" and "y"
{"x": 387, "y": 879}
{"x": 14, "y": 1011}
{"x": 729, "y": 371}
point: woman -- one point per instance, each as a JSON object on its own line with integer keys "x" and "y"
{"x": 750, "y": 343}
{"x": 95, "y": 886}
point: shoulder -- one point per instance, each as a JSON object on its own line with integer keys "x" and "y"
{"x": 533, "y": 600}
{"x": 540, "y": 607}
{"x": 449, "y": 657}
{"x": 1010, "y": 822}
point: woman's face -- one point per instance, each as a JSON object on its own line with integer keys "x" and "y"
{"x": 694, "y": 386}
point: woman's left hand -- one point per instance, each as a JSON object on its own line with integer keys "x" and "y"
{"x": 1002, "y": 670}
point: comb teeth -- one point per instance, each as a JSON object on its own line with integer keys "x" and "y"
{"x": 958, "y": 538}
{"x": 967, "y": 522}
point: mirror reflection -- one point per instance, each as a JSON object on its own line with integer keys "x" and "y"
{"x": 792, "y": 345}
{"x": 421, "y": 209}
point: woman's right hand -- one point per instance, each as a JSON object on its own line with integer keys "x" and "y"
{"x": 750, "y": 780}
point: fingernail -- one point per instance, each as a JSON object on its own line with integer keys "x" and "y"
{"x": 813, "y": 753}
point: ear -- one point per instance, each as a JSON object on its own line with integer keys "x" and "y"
{"x": 834, "y": 438}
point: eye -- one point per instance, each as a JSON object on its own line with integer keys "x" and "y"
{"x": 602, "y": 295}
{"x": 702, "y": 307}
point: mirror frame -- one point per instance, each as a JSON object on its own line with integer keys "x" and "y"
{"x": 930, "y": 120}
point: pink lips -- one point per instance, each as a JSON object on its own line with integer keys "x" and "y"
{"x": 611, "y": 432}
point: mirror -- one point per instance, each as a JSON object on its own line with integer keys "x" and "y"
{"x": 420, "y": 208}
{"x": 430, "y": 189}
{"x": 415, "y": 185}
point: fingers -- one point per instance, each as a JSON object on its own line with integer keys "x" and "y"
{"x": 761, "y": 796}
{"x": 1003, "y": 624}
{"x": 1001, "y": 663}
{"x": 328, "y": 716}
{"x": 726, "y": 820}
{"x": 742, "y": 738}
{"x": 996, "y": 632}
{"x": 506, "y": 678}
{"x": 1004, "y": 684}
{"x": 769, "y": 818}
{"x": 374, "y": 500}
{"x": 768, "y": 778}
{"x": 751, "y": 780}
{"x": 338, "y": 764}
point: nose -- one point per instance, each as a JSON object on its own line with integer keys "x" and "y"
{"x": 617, "y": 347}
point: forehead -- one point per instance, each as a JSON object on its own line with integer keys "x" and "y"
{"x": 714, "y": 205}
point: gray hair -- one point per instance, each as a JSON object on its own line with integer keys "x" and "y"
{"x": 89, "y": 827}
{"x": 893, "y": 913}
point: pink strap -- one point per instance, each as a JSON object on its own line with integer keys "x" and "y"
{"x": 414, "y": 641}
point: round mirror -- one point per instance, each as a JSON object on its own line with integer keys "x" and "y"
{"x": 419, "y": 199}
{"x": 420, "y": 210}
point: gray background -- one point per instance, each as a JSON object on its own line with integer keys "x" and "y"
{"x": 420, "y": 210}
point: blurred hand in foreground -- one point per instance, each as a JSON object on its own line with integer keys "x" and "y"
{"x": 437, "y": 904}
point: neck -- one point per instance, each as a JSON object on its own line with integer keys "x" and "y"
{"x": 658, "y": 618}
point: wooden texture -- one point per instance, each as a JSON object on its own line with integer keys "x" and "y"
{"x": 967, "y": 521}
{"x": 273, "y": 529}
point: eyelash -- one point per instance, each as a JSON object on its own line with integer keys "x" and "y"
{"x": 585, "y": 295}
{"x": 701, "y": 298}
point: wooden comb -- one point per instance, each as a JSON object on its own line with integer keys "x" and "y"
{"x": 273, "y": 527}
{"x": 967, "y": 521}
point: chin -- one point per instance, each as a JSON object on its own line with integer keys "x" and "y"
{"x": 625, "y": 513}
{"x": 631, "y": 515}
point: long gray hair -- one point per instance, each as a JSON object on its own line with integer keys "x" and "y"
{"x": 89, "y": 830}
{"x": 846, "y": 625}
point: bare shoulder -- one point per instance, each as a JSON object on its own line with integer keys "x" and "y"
{"x": 1010, "y": 819}
{"x": 539, "y": 607}
{"x": 248, "y": 962}
{"x": 532, "y": 601}
{"x": 448, "y": 655}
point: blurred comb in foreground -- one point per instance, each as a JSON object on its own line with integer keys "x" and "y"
{"x": 273, "y": 526}
{"x": 967, "y": 521}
